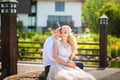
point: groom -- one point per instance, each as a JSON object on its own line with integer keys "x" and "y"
{"x": 48, "y": 47}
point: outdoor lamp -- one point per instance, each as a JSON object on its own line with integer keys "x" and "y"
{"x": 104, "y": 20}
{"x": 103, "y": 41}
{"x": 8, "y": 7}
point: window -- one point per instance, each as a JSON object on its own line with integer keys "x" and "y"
{"x": 59, "y": 6}
{"x": 33, "y": 9}
{"x": 63, "y": 20}
{"x": 32, "y": 21}
{"x": 31, "y": 29}
{"x": 60, "y": 18}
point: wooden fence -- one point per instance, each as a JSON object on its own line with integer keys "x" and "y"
{"x": 28, "y": 50}
{"x": 33, "y": 50}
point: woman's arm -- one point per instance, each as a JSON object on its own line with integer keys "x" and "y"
{"x": 70, "y": 60}
{"x": 71, "y": 56}
{"x": 56, "y": 58}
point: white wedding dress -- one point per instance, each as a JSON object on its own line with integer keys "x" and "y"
{"x": 61, "y": 72}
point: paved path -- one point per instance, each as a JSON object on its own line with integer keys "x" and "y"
{"x": 99, "y": 73}
{"x": 105, "y": 73}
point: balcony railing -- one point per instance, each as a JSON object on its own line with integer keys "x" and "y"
{"x": 70, "y": 23}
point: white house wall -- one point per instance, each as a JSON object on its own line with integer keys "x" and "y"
{"x": 24, "y": 18}
{"x": 74, "y": 9}
{"x": 48, "y": 8}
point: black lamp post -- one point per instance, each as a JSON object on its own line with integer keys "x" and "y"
{"x": 8, "y": 36}
{"x": 103, "y": 41}
{"x": 104, "y": 20}
{"x": 8, "y": 7}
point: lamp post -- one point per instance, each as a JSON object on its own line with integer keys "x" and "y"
{"x": 103, "y": 41}
{"x": 8, "y": 7}
{"x": 8, "y": 36}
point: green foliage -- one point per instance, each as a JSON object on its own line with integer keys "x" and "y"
{"x": 95, "y": 37}
{"x": 113, "y": 52}
{"x": 115, "y": 64}
{"x": 88, "y": 38}
{"x": 93, "y": 9}
{"x": 31, "y": 34}
{"x": 113, "y": 13}
{"x": 19, "y": 27}
{"x": 43, "y": 37}
{"x": 113, "y": 46}
{"x": 111, "y": 9}
{"x": 23, "y": 35}
{"x": 47, "y": 33}
{"x": 90, "y": 13}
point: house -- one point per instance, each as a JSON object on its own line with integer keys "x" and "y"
{"x": 38, "y": 15}
{"x": 23, "y": 13}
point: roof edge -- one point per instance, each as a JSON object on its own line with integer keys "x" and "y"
{"x": 64, "y": 0}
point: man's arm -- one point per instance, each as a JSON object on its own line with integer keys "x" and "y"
{"x": 48, "y": 49}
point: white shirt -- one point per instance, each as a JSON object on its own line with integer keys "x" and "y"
{"x": 48, "y": 52}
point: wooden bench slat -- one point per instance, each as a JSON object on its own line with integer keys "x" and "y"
{"x": 86, "y": 60}
{"x": 24, "y": 52}
{"x": 30, "y": 57}
{"x": 88, "y": 49}
{"x": 29, "y": 47}
{"x": 87, "y": 54}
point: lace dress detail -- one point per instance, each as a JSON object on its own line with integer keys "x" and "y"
{"x": 64, "y": 51}
{"x": 61, "y": 72}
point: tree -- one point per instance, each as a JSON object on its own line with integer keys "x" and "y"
{"x": 91, "y": 13}
{"x": 93, "y": 9}
{"x": 111, "y": 9}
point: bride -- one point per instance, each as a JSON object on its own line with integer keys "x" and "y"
{"x": 65, "y": 69}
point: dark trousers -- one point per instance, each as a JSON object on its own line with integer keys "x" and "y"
{"x": 79, "y": 64}
{"x": 47, "y": 68}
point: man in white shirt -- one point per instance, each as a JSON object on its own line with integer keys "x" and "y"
{"x": 48, "y": 47}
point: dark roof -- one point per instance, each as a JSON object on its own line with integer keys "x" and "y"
{"x": 23, "y": 6}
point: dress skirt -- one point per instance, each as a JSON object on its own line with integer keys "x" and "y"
{"x": 61, "y": 72}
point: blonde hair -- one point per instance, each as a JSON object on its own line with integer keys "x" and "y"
{"x": 71, "y": 40}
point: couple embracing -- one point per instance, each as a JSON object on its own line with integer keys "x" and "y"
{"x": 58, "y": 52}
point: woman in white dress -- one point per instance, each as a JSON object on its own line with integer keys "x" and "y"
{"x": 65, "y": 69}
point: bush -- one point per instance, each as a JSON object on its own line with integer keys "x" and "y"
{"x": 31, "y": 34}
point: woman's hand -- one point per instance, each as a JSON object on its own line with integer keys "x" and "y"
{"x": 71, "y": 64}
